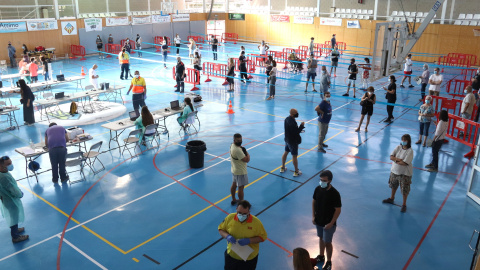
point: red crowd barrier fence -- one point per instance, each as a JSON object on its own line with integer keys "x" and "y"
{"x": 256, "y": 60}
{"x": 471, "y": 58}
{"x": 467, "y": 74}
{"x": 455, "y": 87}
{"x": 453, "y": 62}
{"x": 230, "y": 37}
{"x": 192, "y": 77}
{"x": 113, "y": 49}
{"x": 463, "y": 131}
{"x": 452, "y": 106}
{"x": 132, "y": 45}
{"x": 77, "y": 50}
{"x": 342, "y": 46}
{"x": 249, "y": 67}
{"x": 215, "y": 70}
{"x": 279, "y": 57}
{"x": 197, "y": 39}
{"x": 158, "y": 40}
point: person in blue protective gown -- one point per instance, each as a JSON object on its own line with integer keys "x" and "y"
{"x": 10, "y": 194}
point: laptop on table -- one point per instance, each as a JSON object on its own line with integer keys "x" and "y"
{"x": 175, "y": 105}
{"x": 59, "y": 95}
{"x": 133, "y": 115}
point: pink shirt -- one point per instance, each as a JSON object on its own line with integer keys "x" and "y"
{"x": 33, "y": 68}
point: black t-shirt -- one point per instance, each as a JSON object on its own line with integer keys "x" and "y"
{"x": 231, "y": 71}
{"x": 335, "y": 56}
{"x": 243, "y": 63}
{"x": 180, "y": 68}
{"x": 391, "y": 98}
{"x": 367, "y": 103}
{"x": 45, "y": 66}
{"x": 214, "y": 43}
{"x": 325, "y": 203}
{"x": 476, "y": 84}
{"x": 353, "y": 68}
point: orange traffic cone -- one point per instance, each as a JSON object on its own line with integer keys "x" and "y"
{"x": 83, "y": 72}
{"x": 230, "y": 108}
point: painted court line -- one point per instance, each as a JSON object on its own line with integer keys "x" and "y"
{"x": 83, "y": 253}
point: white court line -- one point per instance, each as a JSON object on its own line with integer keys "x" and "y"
{"x": 27, "y": 248}
{"x": 84, "y": 254}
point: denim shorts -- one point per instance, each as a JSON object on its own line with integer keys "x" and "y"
{"x": 311, "y": 75}
{"x": 292, "y": 148}
{"x": 326, "y": 235}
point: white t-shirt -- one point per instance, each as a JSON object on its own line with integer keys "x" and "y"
{"x": 407, "y": 156}
{"x": 93, "y": 81}
{"x": 273, "y": 72}
{"x": 408, "y": 65}
{"x": 197, "y": 50}
{"x": 178, "y": 40}
{"x": 441, "y": 130}
{"x": 262, "y": 49}
{"x": 435, "y": 78}
{"x": 470, "y": 99}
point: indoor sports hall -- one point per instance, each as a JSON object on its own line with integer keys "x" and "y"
{"x": 157, "y": 195}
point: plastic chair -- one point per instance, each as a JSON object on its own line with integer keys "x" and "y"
{"x": 461, "y": 16}
{"x": 394, "y": 13}
{"x": 364, "y": 11}
{"x": 131, "y": 139}
{"x": 347, "y": 11}
{"x": 359, "y": 11}
{"x": 151, "y": 134}
{"x": 476, "y": 17}
{"x": 469, "y": 17}
{"x": 407, "y": 13}
{"x": 419, "y": 14}
{"x": 190, "y": 122}
{"x": 73, "y": 160}
{"x": 92, "y": 156}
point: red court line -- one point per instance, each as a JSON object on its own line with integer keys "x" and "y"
{"x": 434, "y": 218}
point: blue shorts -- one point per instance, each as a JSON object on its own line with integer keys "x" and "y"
{"x": 311, "y": 75}
{"x": 326, "y": 235}
{"x": 292, "y": 148}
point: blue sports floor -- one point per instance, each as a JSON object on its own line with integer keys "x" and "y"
{"x": 153, "y": 212}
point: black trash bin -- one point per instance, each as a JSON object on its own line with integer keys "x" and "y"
{"x": 196, "y": 152}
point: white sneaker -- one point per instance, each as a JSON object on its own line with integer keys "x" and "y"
{"x": 283, "y": 169}
{"x": 297, "y": 173}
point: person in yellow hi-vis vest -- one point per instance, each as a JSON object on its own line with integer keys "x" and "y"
{"x": 124, "y": 61}
{"x": 139, "y": 89}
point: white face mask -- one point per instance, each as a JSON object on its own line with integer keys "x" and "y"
{"x": 370, "y": 93}
{"x": 137, "y": 76}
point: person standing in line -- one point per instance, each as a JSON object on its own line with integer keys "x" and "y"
{"x": 367, "y": 102}
{"x": 326, "y": 208}
{"x": 438, "y": 139}
{"x": 476, "y": 87}
{"x": 92, "y": 76}
{"x": 435, "y": 81}
{"x": 110, "y": 39}
{"x": 45, "y": 68}
{"x": 12, "y": 207}
{"x": 191, "y": 47}
{"x": 407, "y": 71}
{"x": 292, "y": 140}
{"x": 99, "y": 46}
{"x": 197, "y": 63}
{"x": 324, "y": 112}
{"x": 27, "y": 99}
{"x": 425, "y": 114}
{"x": 56, "y": 139}
{"x": 273, "y": 80}
{"x": 366, "y": 74}
{"x": 311, "y": 71}
{"x": 124, "y": 61}
{"x": 33, "y": 69}
{"x": 467, "y": 103}
{"x": 239, "y": 157}
{"x": 11, "y": 55}
{"x": 214, "y": 43}
{"x": 311, "y": 47}
{"x": 231, "y": 74}
{"x": 268, "y": 68}
{"x": 242, "y": 228}
{"x": 263, "y": 48}
{"x": 425, "y": 76}
{"x": 391, "y": 97}
{"x": 139, "y": 89}
{"x": 333, "y": 42}
{"x": 138, "y": 44}
{"x": 164, "y": 51}
{"x": 402, "y": 171}
{"x": 352, "y": 77}
{"x": 242, "y": 49}
{"x": 180, "y": 75}
{"x": 177, "y": 41}
{"x": 197, "y": 50}
{"x": 335, "y": 55}
{"x": 243, "y": 68}
{"x": 128, "y": 46}
{"x": 325, "y": 81}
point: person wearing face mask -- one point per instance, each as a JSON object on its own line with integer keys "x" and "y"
{"x": 138, "y": 44}
{"x": 214, "y": 43}
{"x": 326, "y": 208}
{"x": 367, "y": 102}
{"x": 402, "y": 171}
{"x": 239, "y": 157}
{"x": 110, "y": 39}
{"x": 334, "y": 58}
{"x": 467, "y": 103}
{"x": 124, "y": 61}
{"x": 263, "y": 48}
{"x": 187, "y": 109}
{"x": 180, "y": 75}
{"x": 424, "y": 77}
{"x": 365, "y": 74}
{"x": 242, "y": 228}
{"x": 391, "y": 97}
{"x": 311, "y": 71}
{"x": 325, "y": 81}
{"x": 93, "y": 77}
{"x": 407, "y": 71}
{"x": 139, "y": 92}
{"x": 272, "y": 80}
{"x": 352, "y": 77}
{"x": 127, "y": 46}
{"x": 11, "y": 55}
{"x": 438, "y": 139}
{"x": 99, "y": 46}
{"x": 25, "y": 49}
{"x": 292, "y": 140}
{"x": 191, "y": 48}
{"x": 12, "y": 207}
{"x": 324, "y": 112}
{"x": 435, "y": 81}
{"x": 425, "y": 114}
{"x": 164, "y": 51}
{"x": 311, "y": 46}
{"x": 56, "y": 139}
{"x": 177, "y": 41}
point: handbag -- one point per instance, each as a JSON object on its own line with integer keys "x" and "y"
{"x": 362, "y": 103}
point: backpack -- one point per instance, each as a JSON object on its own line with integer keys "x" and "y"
{"x": 73, "y": 108}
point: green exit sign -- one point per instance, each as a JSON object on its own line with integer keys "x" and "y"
{"x": 236, "y": 17}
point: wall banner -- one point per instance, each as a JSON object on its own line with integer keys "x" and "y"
{"x": 303, "y": 19}
{"x": 13, "y": 27}
{"x": 116, "y": 21}
{"x": 280, "y": 18}
{"x": 69, "y": 28}
{"x": 353, "y": 24}
{"x": 93, "y": 24}
{"x": 180, "y": 17}
{"x": 331, "y": 21}
{"x": 34, "y": 25}
{"x": 160, "y": 19}
{"x": 142, "y": 20}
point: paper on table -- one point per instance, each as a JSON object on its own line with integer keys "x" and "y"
{"x": 242, "y": 251}
{"x": 27, "y": 150}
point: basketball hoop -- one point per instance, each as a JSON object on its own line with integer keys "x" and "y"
{"x": 476, "y": 32}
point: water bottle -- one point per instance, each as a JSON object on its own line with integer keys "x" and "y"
{"x": 32, "y": 145}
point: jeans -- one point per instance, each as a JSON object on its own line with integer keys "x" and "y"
{"x": 424, "y": 128}
{"x": 214, "y": 49}
{"x": 165, "y": 59}
{"x": 436, "y": 145}
{"x": 180, "y": 84}
{"x": 322, "y": 133}
{"x": 46, "y": 76}
{"x": 138, "y": 101}
{"x": 424, "y": 86}
{"x": 390, "y": 111}
{"x": 58, "y": 156}
{"x": 125, "y": 69}
{"x": 13, "y": 62}
{"x": 273, "y": 80}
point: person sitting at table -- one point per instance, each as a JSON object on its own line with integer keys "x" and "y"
{"x": 145, "y": 119}
{"x": 56, "y": 140}
{"x": 186, "y": 111}
{"x": 33, "y": 69}
{"x": 25, "y": 49}
{"x": 27, "y": 101}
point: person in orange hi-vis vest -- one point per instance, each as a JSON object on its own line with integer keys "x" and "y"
{"x": 124, "y": 61}
{"x": 139, "y": 89}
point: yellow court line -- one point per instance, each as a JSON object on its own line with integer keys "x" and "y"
{"x": 135, "y": 259}
{"x": 221, "y": 200}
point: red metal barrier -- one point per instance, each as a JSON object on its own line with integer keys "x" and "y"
{"x": 456, "y": 87}
{"x": 303, "y": 48}
{"x": 132, "y": 45}
{"x": 158, "y": 40}
{"x": 113, "y": 49}
{"x": 279, "y": 57}
{"x": 191, "y": 77}
{"x": 467, "y": 74}
{"x": 453, "y": 62}
{"x": 215, "y": 70}
{"x": 256, "y": 60}
{"x": 301, "y": 54}
{"x": 249, "y": 66}
{"x": 471, "y": 58}
{"x": 342, "y": 46}
{"x": 324, "y": 49}
{"x": 463, "y": 131}
{"x": 452, "y": 106}
{"x": 197, "y": 39}
{"x": 77, "y": 50}
{"x": 230, "y": 37}
{"x": 288, "y": 50}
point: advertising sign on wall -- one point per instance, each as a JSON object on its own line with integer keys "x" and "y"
{"x": 34, "y": 25}
{"x": 353, "y": 24}
{"x": 117, "y": 21}
{"x": 12, "y": 27}
{"x": 180, "y": 17}
{"x": 303, "y": 19}
{"x": 331, "y": 21}
{"x": 142, "y": 20}
{"x": 93, "y": 24}
{"x": 160, "y": 19}
{"x": 69, "y": 28}
{"x": 236, "y": 17}
{"x": 279, "y": 18}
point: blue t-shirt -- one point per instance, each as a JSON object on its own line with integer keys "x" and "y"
{"x": 326, "y": 108}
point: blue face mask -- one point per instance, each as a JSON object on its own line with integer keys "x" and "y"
{"x": 327, "y": 99}
{"x": 403, "y": 143}
{"x": 323, "y": 184}
{"x": 10, "y": 167}
{"x": 242, "y": 217}
{"x": 427, "y": 101}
